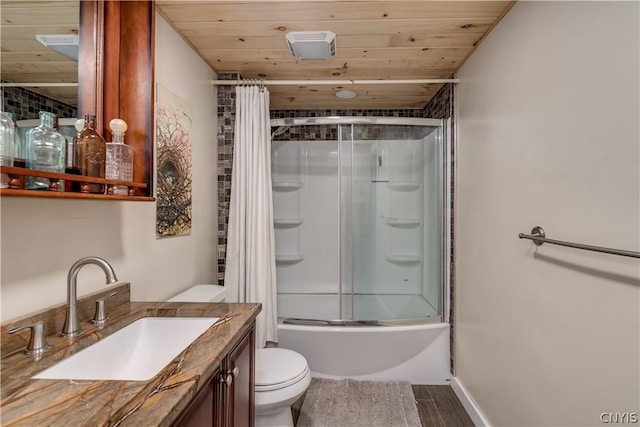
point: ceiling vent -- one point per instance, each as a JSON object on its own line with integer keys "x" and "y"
{"x": 65, "y": 44}
{"x": 312, "y": 44}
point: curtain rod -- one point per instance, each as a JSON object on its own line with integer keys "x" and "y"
{"x": 330, "y": 82}
{"x": 38, "y": 84}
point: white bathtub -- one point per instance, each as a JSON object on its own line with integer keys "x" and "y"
{"x": 416, "y": 353}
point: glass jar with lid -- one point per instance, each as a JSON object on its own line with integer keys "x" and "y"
{"x": 119, "y": 157}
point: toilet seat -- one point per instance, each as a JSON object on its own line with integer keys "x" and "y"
{"x": 278, "y": 368}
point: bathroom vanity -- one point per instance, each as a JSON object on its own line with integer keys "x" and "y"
{"x": 210, "y": 382}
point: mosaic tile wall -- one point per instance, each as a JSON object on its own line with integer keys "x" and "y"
{"x": 226, "y": 115}
{"x": 330, "y": 132}
{"x": 441, "y": 106}
{"x": 25, "y": 104}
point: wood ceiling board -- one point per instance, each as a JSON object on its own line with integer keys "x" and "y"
{"x": 337, "y": 10}
{"x": 342, "y": 74}
{"x": 29, "y": 32}
{"x": 395, "y": 26}
{"x": 408, "y": 40}
{"x": 21, "y": 4}
{"x": 342, "y": 54}
{"x": 17, "y": 57}
{"x": 30, "y": 16}
{"x": 387, "y": 67}
{"x": 361, "y": 90}
{"x": 340, "y": 104}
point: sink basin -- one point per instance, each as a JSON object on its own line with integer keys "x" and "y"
{"x": 136, "y": 352}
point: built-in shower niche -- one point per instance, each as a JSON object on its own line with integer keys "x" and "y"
{"x": 287, "y": 177}
{"x": 304, "y": 177}
{"x": 394, "y": 243}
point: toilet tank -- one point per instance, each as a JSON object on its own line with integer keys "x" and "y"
{"x": 201, "y": 293}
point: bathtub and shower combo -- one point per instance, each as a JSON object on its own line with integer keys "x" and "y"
{"x": 361, "y": 233}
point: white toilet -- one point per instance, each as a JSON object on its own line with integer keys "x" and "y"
{"x": 282, "y": 376}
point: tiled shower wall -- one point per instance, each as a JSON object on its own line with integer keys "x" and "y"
{"x": 226, "y": 116}
{"x": 25, "y": 104}
{"x": 440, "y": 107}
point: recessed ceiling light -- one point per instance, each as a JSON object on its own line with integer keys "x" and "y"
{"x": 346, "y": 94}
{"x": 312, "y": 44}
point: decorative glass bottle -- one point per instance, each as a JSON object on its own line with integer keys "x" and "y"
{"x": 91, "y": 154}
{"x": 119, "y": 157}
{"x": 7, "y": 142}
{"x": 45, "y": 152}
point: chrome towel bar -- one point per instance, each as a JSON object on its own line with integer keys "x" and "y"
{"x": 538, "y": 236}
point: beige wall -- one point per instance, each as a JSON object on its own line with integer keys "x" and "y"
{"x": 41, "y": 238}
{"x": 549, "y": 135}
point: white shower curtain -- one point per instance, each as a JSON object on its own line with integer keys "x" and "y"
{"x": 250, "y": 274}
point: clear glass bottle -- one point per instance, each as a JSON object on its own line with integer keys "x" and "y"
{"x": 18, "y": 149}
{"x": 7, "y": 145}
{"x": 91, "y": 153}
{"x": 119, "y": 157}
{"x": 45, "y": 151}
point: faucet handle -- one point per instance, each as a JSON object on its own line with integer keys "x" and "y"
{"x": 100, "y": 316}
{"x": 37, "y": 341}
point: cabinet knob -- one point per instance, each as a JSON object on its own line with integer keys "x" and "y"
{"x": 227, "y": 379}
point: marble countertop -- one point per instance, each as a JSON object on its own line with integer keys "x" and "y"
{"x": 157, "y": 402}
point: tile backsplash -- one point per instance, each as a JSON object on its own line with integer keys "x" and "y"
{"x": 25, "y": 104}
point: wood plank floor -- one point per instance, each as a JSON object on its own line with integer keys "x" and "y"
{"x": 438, "y": 406}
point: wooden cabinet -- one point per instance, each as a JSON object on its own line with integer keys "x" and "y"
{"x": 239, "y": 407}
{"x": 227, "y": 400}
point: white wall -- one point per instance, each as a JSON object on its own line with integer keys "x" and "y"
{"x": 548, "y": 134}
{"x": 41, "y": 238}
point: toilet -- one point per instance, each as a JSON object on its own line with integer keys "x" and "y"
{"x": 281, "y": 376}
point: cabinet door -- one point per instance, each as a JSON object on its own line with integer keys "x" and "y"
{"x": 240, "y": 363}
{"x": 200, "y": 412}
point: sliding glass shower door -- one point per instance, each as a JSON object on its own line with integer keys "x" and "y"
{"x": 391, "y": 220}
{"x": 359, "y": 219}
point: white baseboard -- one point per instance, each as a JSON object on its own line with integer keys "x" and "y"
{"x": 469, "y": 405}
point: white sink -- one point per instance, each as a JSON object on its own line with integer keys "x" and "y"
{"x": 136, "y": 352}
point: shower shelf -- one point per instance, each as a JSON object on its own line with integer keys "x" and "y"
{"x": 403, "y": 186}
{"x": 286, "y": 186}
{"x": 287, "y": 222}
{"x": 287, "y": 259}
{"x": 404, "y": 258}
{"x": 406, "y": 222}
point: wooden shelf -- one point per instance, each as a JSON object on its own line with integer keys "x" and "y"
{"x": 16, "y": 186}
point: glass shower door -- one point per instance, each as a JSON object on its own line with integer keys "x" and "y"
{"x": 391, "y": 222}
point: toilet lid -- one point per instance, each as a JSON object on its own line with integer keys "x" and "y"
{"x": 277, "y": 368}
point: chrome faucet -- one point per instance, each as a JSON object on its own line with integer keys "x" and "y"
{"x": 71, "y": 326}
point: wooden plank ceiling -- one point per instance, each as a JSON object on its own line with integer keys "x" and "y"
{"x": 23, "y": 59}
{"x": 374, "y": 40}
{"x": 391, "y": 39}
